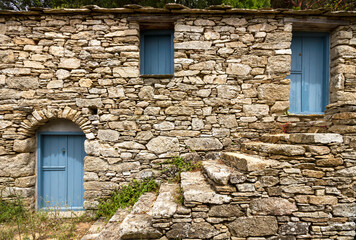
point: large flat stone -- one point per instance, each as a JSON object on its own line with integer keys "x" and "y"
{"x": 23, "y": 83}
{"x": 165, "y": 205}
{"x": 69, "y": 63}
{"x": 346, "y": 172}
{"x": 197, "y": 190}
{"x": 25, "y": 145}
{"x": 203, "y": 144}
{"x": 225, "y": 210}
{"x": 193, "y": 45}
{"x": 108, "y": 135}
{"x": 195, "y": 230}
{"x": 178, "y": 110}
{"x": 216, "y": 171}
{"x": 111, "y": 230}
{"x": 273, "y": 92}
{"x": 345, "y": 210}
{"x": 322, "y": 138}
{"x": 138, "y": 224}
{"x": 253, "y": 226}
{"x": 94, "y": 102}
{"x": 280, "y": 149}
{"x": 272, "y": 206}
{"x": 19, "y": 165}
{"x": 246, "y": 162}
{"x": 163, "y": 144}
{"x": 294, "y": 228}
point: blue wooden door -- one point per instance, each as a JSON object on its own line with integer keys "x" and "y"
{"x": 309, "y": 92}
{"x": 61, "y": 171}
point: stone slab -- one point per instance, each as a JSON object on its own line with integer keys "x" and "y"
{"x": 166, "y": 205}
{"x": 246, "y": 162}
{"x": 280, "y": 149}
{"x": 318, "y": 138}
{"x": 217, "y": 171}
{"x": 197, "y": 190}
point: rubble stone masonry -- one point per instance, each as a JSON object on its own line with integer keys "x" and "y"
{"x": 230, "y": 88}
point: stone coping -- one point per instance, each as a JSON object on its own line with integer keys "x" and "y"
{"x": 173, "y": 8}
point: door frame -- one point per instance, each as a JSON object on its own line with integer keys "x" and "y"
{"x": 326, "y": 64}
{"x": 38, "y": 166}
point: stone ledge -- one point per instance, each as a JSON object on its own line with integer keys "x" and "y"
{"x": 218, "y": 172}
{"x": 197, "y": 191}
{"x": 318, "y": 138}
{"x": 246, "y": 162}
{"x": 280, "y": 149}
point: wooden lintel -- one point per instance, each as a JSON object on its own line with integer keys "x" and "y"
{"x": 152, "y": 19}
{"x": 315, "y": 23}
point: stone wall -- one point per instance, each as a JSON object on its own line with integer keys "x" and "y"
{"x": 229, "y": 87}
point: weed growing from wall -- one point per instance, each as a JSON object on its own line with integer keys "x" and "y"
{"x": 124, "y": 197}
{"x": 177, "y": 165}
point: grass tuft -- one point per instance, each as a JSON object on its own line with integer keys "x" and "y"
{"x": 17, "y": 222}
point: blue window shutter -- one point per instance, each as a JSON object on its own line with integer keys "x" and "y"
{"x": 295, "y": 96}
{"x": 309, "y": 73}
{"x": 157, "y": 53}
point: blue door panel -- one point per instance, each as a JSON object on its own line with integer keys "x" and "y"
{"x": 296, "y": 54}
{"x": 61, "y": 171}
{"x": 76, "y": 156}
{"x": 309, "y": 73}
{"x": 53, "y": 169}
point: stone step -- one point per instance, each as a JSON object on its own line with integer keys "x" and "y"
{"x": 111, "y": 230}
{"x": 275, "y": 138}
{"x": 316, "y": 138}
{"x": 247, "y": 163}
{"x": 138, "y": 223}
{"x": 303, "y": 138}
{"x": 166, "y": 205}
{"x": 217, "y": 171}
{"x": 218, "y": 175}
{"x": 196, "y": 190}
{"x": 275, "y": 149}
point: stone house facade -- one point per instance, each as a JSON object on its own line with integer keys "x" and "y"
{"x": 226, "y": 90}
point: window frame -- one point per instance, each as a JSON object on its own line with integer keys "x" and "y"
{"x": 156, "y": 32}
{"x": 326, "y": 63}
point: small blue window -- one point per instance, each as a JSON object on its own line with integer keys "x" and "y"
{"x": 309, "y": 93}
{"x": 156, "y": 52}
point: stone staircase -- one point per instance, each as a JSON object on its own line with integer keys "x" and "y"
{"x": 261, "y": 192}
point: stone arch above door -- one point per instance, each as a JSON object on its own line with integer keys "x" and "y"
{"x": 40, "y": 117}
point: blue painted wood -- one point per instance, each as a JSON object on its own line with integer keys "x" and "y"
{"x": 75, "y": 172}
{"x": 157, "y": 53}
{"x": 60, "y": 170}
{"x": 309, "y": 73}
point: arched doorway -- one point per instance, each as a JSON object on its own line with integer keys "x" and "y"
{"x": 60, "y": 166}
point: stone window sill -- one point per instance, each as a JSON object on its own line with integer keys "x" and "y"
{"x": 315, "y": 115}
{"x": 157, "y": 76}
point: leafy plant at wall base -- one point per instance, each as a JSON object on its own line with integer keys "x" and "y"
{"x": 11, "y": 210}
{"x": 124, "y": 197}
{"x": 17, "y": 222}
